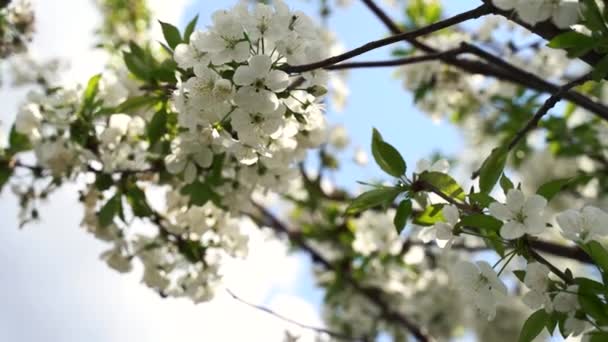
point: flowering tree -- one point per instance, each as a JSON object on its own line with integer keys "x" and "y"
{"x": 176, "y": 147}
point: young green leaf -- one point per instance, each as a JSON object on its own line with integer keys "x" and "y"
{"x": 171, "y": 34}
{"x": 386, "y": 156}
{"x": 571, "y": 39}
{"x": 137, "y": 199}
{"x": 506, "y": 184}
{"x": 17, "y": 142}
{"x": 600, "y": 70}
{"x": 445, "y": 184}
{"x": 533, "y": 326}
{"x": 599, "y": 255}
{"x": 481, "y": 221}
{"x": 404, "y": 210}
{"x": 157, "y": 126}
{"x": 136, "y": 102}
{"x": 552, "y": 188}
{"x": 200, "y": 193}
{"x": 373, "y": 198}
{"x": 593, "y": 17}
{"x": 492, "y": 168}
{"x": 91, "y": 91}
{"x": 482, "y": 199}
{"x": 107, "y": 213}
{"x": 189, "y": 29}
{"x": 103, "y": 181}
{"x": 5, "y": 174}
{"x": 431, "y": 215}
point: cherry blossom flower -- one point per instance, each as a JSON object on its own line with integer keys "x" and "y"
{"x": 589, "y": 223}
{"x": 520, "y": 215}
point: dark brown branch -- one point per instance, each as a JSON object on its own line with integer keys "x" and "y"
{"x": 552, "y": 267}
{"x": 544, "y": 109}
{"x": 545, "y": 30}
{"x": 397, "y": 62}
{"x": 292, "y": 321}
{"x": 502, "y": 70}
{"x": 570, "y": 252}
{"x": 595, "y": 107}
{"x": 369, "y": 293}
{"x": 404, "y": 36}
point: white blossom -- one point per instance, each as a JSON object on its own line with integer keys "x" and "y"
{"x": 520, "y": 215}
{"x": 441, "y": 232}
{"x": 589, "y": 223}
{"x": 566, "y": 301}
{"x": 563, "y": 13}
{"x": 479, "y": 284}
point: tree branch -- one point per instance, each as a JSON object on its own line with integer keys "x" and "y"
{"x": 403, "y": 36}
{"x": 289, "y": 320}
{"x": 544, "y": 29}
{"x": 497, "y": 68}
{"x": 371, "y": 294}
{"x": 544, "y": 109}
{"x": 398, "y": 61}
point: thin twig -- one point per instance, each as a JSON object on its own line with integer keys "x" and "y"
{"x": 292, "y": 321}
{"x": 496, "y": 67}
{"x": 397, "y": 62}
{"x": 544, "y": 109}
{"x": 371, "y": 294}
{"x": 540, "y": 113}
{"x": 404, "y": 36}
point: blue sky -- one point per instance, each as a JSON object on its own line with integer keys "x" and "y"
{"x": 53, "y": 286}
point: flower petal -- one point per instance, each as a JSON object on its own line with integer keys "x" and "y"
{"x": 512, "y": 230}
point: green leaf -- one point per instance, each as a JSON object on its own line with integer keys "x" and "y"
{"x": 171, "y": 34}
{"x": 593, "y": 307}
{"x": 533, "y": 326}
{"x": 5, "y": 174}
{"x": 107, "y": 213}
{"x": 404, "y": 210}
{"x": 589, "y": 286}
{"x": 373, "y": 198}
{"x": 481, "y": 221}
{"x": 157, "y": 126}
{"x": 445, "y": 183}
{"x": 520, "y": 274}
{"x": 200, "y": 193}
{"x": 506, "y": 184}
{"x": 386, "y": 156}
{"x": 192, "y": 250}
{"x": 137, "y": 66}
{"x": 492, "y": 168}
{"x": 571, "y": 39}
{"x": 136, "y": 102}
{"x": 17, "y": 142}
{"x": 91, "y": 91}
{"x": 599, "y": 255}
{"x": 552, "y": 188}
{"x": 137, "y": 199}
{"x": 600, "y": 70}
{"x": 189, "y": 29}
{"x": 597, "y": 336}
{"x": 431, "y": 215}
{"x": 482, "y": 199}
{"x": 593, "y": 17}
{"x": 103, "y": 181}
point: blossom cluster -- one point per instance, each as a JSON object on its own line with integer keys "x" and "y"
{"x": 16, "y": 26}
{"x": 240, "y": 102}
{"x": 241, "y": 125}
{"x": 563, "y": 13}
